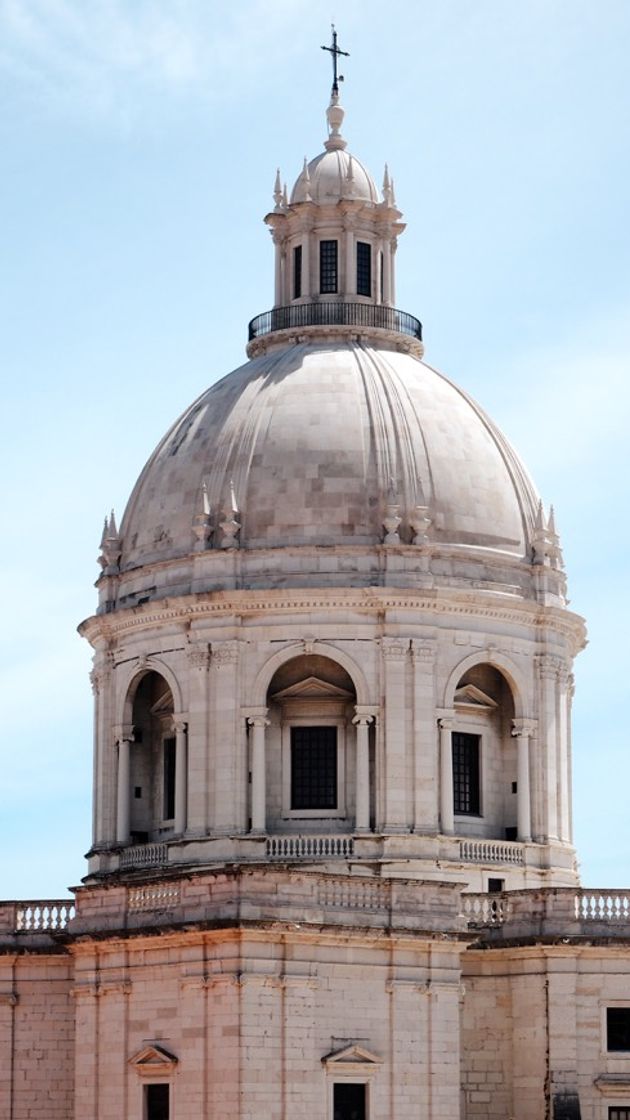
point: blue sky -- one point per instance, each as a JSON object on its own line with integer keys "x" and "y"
{"x": 139, "y": 142}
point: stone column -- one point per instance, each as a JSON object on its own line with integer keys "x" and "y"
{"x": 362, "y": 721}
{"x": 547, "y": 666}
{"x": 125, "y": 739}
{"x": 349, "y": 287}
{"x": 181, "y": 777}
{"x": 564, "y": 827}
{"x": 104, "y": 771}
{"x": 387, "y": 272}
{"x": 522, "y": 730}
{"x": 306, "y": 262}
{"x": 425, "y": 755}
{"x": 392, "y": 271}
{"x": 447, "y": 816}
{"x": 200, "y": 786}
{"x": 277, "y": 242}
{"x": 378, "y": 256}
{"x": 229, "y": 747}
{"x": 257, "y": 720}
{"x": 396, "y": 786}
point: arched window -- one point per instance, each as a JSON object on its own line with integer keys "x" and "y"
{"x": 152, "y": 760}
{"x": 484, "y": 755}
{"x": 310, "y": 744}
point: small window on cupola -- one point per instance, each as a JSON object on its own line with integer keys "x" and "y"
{"x": 297, "y": 272}
{"x": 364, "y": 269}
{"x": 328, "y": 272}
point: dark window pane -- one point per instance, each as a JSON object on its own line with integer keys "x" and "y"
{"x": 619, "y": 1113}
{"x": 348, "y": 1101}
{"x": 297, "y": 272}
{"x": 157, "y": 1100}
{"x": 364, "y": 269}
{"x": 313, "y": 767}
{"x": 618, "y": 1028}
{"x": 465, "y": 773}
{"x": 328, "y": 266}
{"x": 168, "y": 806}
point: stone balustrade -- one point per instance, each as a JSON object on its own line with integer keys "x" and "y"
{"x": 310, "y": 847}
{"x": 490, "y": 851}
{"x": 552, "y": 912}
{"x": 50, "y": 915}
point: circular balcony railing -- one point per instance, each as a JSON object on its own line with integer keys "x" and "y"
{"x": 329, "y": 314}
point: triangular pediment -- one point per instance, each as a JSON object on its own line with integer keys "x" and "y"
{"x": 470, "y": 696}
{"x": 351, "y": 1055}
{"x": 153, "y": 1059}
{"x": 312, "y": 688}
{"x": 164, "y": 703}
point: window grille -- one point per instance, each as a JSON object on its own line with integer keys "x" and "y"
{"x": 616, "y": 1113}
{"x": 313, "y": 768}
{"x": 618, "y": 1028}
{"x": 157, "y": 1099}
{"x": 168, "y": 786}
{"x": 349, "y": 1101}
{"x": 364, "y": 269}
{"x": 465, "y": 773}
{"x": 328, "y": 278}
{"x": 297, "y": 272}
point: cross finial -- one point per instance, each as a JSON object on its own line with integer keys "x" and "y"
{"x": 335, "y": 51}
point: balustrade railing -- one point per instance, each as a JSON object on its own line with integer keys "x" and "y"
{"x": 483, "y": 910}
{"x": 602, "y": 906}
{"x": 144, "y": 855}
{"x": 48, "y": 916}
{"x": 490, "y": 851}
{"x": 310, "y": 847}
{"x": 154, "y": 896}
{"x": 331, "y": 314}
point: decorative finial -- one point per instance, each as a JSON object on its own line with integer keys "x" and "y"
{"x": 230, "y": 525}
{"x": 277, "y": 191}
{"x": 111, "y": 546}
{"x": 388, "y": 194}
{"x": 335, "y": 51}
{"x": 202, "y": 524}
{"x": 392, "y": 518}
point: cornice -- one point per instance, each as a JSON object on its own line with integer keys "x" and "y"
{"x": 482, "y": 605}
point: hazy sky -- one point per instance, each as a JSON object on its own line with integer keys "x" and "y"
{"x": 139, "y": 141}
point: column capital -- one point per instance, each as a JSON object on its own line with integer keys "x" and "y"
{"x": 123, "y": 733}
{"x": 257, "y": 717}
{"x": 225, "y": 653}
{"x": 446, "y": 722}
{"x": 423, "y": 651}
{"x": 199, "y": 655}
{"x": 364, "y": 714}
{"x": 180, "y": 724}
{"x": 395, "y": 649}
{"x": 524, "y": 728}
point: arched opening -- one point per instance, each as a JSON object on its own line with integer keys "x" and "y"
{"x": 484, "y": 755}
{"x": 311, "y": 765}
{"x": 152, "y": 762}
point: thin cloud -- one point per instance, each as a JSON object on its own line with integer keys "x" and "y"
{"x": 87, "y": 57}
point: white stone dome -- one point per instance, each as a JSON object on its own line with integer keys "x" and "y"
{"x": 334, "y": 175}
{"x": 315, "y": 440}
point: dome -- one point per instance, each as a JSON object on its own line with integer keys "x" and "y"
{"x": 313, "y": 445}
{"x": 332, "y": 176}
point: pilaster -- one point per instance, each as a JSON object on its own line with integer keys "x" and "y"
{"x": 425, "y": 743}
{"x": 395, "y": 653}
{"x": 228, "y": 744}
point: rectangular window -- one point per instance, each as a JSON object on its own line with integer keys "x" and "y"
{"x": 313, "y": 768}
{"x": 364, "y": 269}
{"x": 349, "y": 1101}
{"x": 618, "y": 1028}
{"x": 466, "y": 773}
{"x": 616, "y": 1113}
{"x": 328, "y": 266}
{"x": 157, "y": 1102}
{"x": 297, "y": 272}
{"x": 168, "y": 784}
{"x": 495, "y": 886}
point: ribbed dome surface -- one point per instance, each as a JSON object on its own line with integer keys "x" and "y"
{"x": 332, "y": 176}
{"x": 316, "y": 439}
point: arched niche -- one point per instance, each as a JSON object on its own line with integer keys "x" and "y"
{"x": 484, "y": 754}
{"x": 152, "y": 758}
{"x": 319, "y": 649}
{"x": 311, "y": 766}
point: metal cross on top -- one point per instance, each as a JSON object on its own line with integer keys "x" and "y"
{"x": 335, "y": 52}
